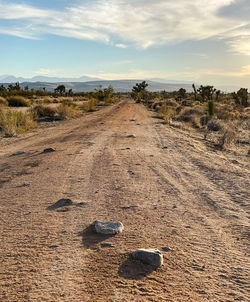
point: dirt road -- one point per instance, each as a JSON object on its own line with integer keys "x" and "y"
{"x": 169, "y": 189}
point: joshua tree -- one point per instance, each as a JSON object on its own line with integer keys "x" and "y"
{"x": 206, "y": 92}
{"x": 139, "y": 91}
{"x": 243, "y": 95}
{"x": 140, "y": 87}
{"x": 195, "y": 91}
{"x": 218, "y": 92}
{"x": 60, "y": 89}
{"x": 181, "y": 94}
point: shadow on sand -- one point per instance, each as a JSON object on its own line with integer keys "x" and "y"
{"x": 91, "y": 238}
{"x": 134, "y": 269}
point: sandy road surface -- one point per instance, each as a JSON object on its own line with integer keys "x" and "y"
{"x": 188, "y": 197}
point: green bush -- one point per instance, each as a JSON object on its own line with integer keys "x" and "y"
{"x": 210, "y": 107}
{"x": 18, "y": 101}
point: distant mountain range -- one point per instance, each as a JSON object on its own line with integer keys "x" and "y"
{"x": 87, "y": 84}
{"x": 118, "y": 85}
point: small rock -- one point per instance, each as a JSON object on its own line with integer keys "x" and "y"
{"x": 152, "y": 257}
{"x": 23, "y": 185}
{"x": 129, "y": 207}
{"x": 48, "y": 150}
{"x": 166, "y": 249}
{"x": 240, "y": 269}
{"x": 107, "y": 244}
{"x": 174, "y": 206}
{"x": 18, "y": 153}
{"x": 132, "y": 136}
{"x": 108, "y": 228}
{"x": 235, "y": 161}
{"x": 132, "y": 120}
{"x": 61, "y": 203}
{"x": 165, "y": 147}
{"x": 53, "y": 246}
{"x": 116, "y": 165}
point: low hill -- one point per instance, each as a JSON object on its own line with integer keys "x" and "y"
{"x": 118, "y": 85}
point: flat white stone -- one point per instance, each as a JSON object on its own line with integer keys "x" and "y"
{"x": 108, "y": 228}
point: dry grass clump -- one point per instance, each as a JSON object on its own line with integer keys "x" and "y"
{"x": 228, "y": 135}
{"x": 3, "y": 101}
{"x": 166, "y": 112}
{"x": 214, "y": 125}
{"x": 65, "y": 111}
{"x": 190, "y": 115}
{"x": 14, "y": 122}
{"x": 41, "y": 111}
{"x": 171, "y": 103}
{"x": 18, "y": 101}
{"x": 89, "y": 106}
{"x": 47, "y": 100}
{"x": 64, "y": 100}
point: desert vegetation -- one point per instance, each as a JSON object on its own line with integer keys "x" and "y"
{"x": 23, "y": 109}
{"x": 16, "y": 122}
{"x": 223, "y": 118}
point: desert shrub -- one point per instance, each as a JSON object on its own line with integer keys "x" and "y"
{"x": 18, "y": 101}
{"x": 14, "y": 122}
{"x": 178, "y": 109}
{"x": 66, "y": 101}
{"x": 228, "y": 136}
{"x": 44, "y": 111}
{"x": 89, "y": 106}
{"x": 171, "y": 102}
{"x": 65, "y": 111}
{"x": 204, "y": 120}
{"x": 105, "y": 95}
{"x": 186, "y": 102}
{"x": 187, "y": 113}
{"x": 195, "y": 121}
{"x": 3, "y": 101}
{"x": 166, "y": 112}
{"x": 44, "y": 101}
{"x": 214, "y": 125}
{"x": 157, "y": 106}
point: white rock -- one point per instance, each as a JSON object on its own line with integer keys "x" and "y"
{"x": 108, "y": 228}
{"x": 132, "y": 135}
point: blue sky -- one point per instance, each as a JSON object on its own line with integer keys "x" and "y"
{"x": 191, "y": 40}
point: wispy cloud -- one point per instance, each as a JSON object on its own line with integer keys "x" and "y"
{"x": 142, "y": 23}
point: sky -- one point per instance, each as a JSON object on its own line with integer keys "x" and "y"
{"x": 203, "y": 41}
